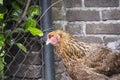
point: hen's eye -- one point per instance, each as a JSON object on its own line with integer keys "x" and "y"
{"x": 50, "y": 36}
{"x": 60, "y": 35}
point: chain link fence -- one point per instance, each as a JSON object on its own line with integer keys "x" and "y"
{"x": 19, "y": 64}
{"x": 22, "y": 65}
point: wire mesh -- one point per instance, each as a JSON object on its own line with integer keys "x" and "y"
{"x": 24, "y": 66}
{"x": 21, "y": 65}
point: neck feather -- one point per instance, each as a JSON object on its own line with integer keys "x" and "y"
{"x": 71, "y": 49}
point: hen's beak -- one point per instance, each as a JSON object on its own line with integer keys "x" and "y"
{"x": 47, "y": 42}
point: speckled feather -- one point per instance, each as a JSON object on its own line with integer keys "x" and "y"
{"x": 86, "y": 61}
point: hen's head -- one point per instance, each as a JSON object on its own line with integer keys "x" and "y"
{"x": 56, "y": 37}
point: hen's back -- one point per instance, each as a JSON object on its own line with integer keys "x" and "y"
{"x": 103, "y": 60}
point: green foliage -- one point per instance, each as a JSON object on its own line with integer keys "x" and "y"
{"x": 27, "y": 25}
{"x": 1, "y": 16}
{"x": 30, "y": 25}
{"x": 2, "y": 62}
{"x": 15, "y": 5}
{"x": 33, "y": 10}
{"x": 1, "y": 1}
{"x": 16, "y": 14}
{"x": 35, "y": 31}
{"x": 2, "y": 39}
{"x": 22, "y": 47}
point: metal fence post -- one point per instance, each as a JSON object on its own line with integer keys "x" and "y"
{"x": 48, "y": 54}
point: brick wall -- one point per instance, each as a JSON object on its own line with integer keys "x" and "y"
{"x": 94, "y": 21}
{"x": 89, "y": 20}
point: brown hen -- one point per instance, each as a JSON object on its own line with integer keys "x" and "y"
{"x": 85, "y": 61}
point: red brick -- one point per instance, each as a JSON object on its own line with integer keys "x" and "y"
{"x": 57, "y": 14}
{"x": 90, "y": 39}
{"x": 73, "y": 3}
{"x": 101, "y": 3}
{"x": 113, "y": 14}
{"x": 82, "y": 15}
{"x": 74, "y": 28}
{"x": 110, "y": 39}
{"x": 102, "y": 28}
{"x": 57, "y": 26}
{"x": 58, "y": 4}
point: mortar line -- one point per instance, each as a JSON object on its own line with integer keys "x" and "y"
{"x": 99, "y": 35}
{"x": 92, "y": 8}
{"x": 119, "y": 3}
{"x": 90, "y": 22}
{"x": 100, "y": 14}
{"x": 84, "y": 29}
{"x": 83, "y": 3}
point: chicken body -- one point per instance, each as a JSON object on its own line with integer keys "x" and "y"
{"x": 85, "y": 61}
